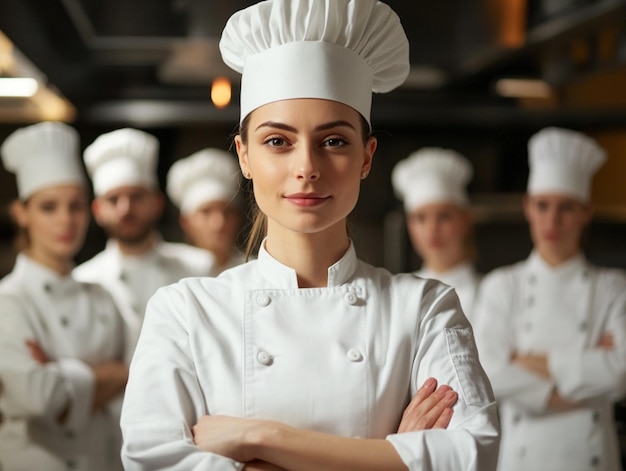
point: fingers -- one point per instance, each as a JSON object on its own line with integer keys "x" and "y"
{"x": 429, "y": 408}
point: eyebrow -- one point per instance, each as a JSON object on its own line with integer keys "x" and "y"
{"x": 321, "y": 127}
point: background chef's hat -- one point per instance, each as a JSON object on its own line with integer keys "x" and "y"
{"x": 126, "y": 157}
{"x": 207, "y": 175}
{"x": 339, "y": 50}
{"x": 563, "y": 161}
{"x": 432, "y": 175}
{"x": 42, "y": 155}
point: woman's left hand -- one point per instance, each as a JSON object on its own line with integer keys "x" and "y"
{"x": 232, "y": 437}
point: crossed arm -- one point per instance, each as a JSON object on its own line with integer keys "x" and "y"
{"x": 271, "y": 446}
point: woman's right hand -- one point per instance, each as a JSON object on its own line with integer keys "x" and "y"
{"x": 430, "y": 408}
{"x": 261, "y": 466}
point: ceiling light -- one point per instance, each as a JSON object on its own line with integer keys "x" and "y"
{"x": 18, "y": 87}
{"x": 523, "y": 88}
{"x": 221, "y": 92}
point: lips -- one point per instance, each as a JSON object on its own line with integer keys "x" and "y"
{"x": 307, "y": 199}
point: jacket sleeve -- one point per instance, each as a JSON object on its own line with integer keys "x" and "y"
{"x": 494, "y": 324}
{"x": 593, "y": 372}
{"x": 446, "y": 351}
{"x": 163, "y": 399}
{"x": 34, "y": 390}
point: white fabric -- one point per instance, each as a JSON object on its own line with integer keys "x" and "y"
{"x": 43, "y": 155}
{"x": 344, "y": 359}
{"x": 303, "y": 49}
{"x": 564, "y": 162}
{"x": 463, "y": 278}
{"x": 432, "y": 175}
{"x": 532, "y": 308}
{"x": 125, "y": 157}
{"x": 76, "y": 325}
{"x": 207, "y": 175}
{"x": 133, "y": 280}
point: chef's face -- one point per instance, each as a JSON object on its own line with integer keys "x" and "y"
{"x": 439, "y": 232}
{"x": 129, "y": 213}
{"x": 306, "y": 158}
{"x": 213, "y": 226}
{"x": 56, "y": 220}
{"x": 556, "y": 224}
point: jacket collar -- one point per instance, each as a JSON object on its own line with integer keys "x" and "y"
{"x": 43, "y": 280}
{"x": 452, "y": 277}
{"x": 283, "y": 276}
{"x": 571, "y": 267}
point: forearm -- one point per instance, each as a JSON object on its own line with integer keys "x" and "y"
{"x": 304, "y": 450}
{"x": 111, "y": 379}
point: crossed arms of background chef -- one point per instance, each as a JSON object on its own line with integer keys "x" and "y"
{"x": 561, "y": 378}
{"x": 66, "y": 391}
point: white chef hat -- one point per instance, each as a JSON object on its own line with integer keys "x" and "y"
{"x": 432, "y": 175}
{"x": 125, "y": 157}
{"x": 563, "y": 161}
{"x": 339, "y": 50}
{"x": 42, "y": 155}
{"x": 207, "y": 175}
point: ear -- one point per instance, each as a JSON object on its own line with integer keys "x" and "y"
{"x": 370, "y": 148}
{"x": 159, "y": 203}
{"x": 242, "y": 154}
{"x": 96, "y": 210}
{"x": 184, "y": 223}
{"x": 589, "y": 212}
{"x": 17, "y": 210}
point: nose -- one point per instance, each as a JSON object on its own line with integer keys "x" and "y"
{"x": 305, "y": 164}
{"x": 123, "y": 205}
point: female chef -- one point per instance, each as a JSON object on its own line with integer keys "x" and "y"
{"x": 551, "y": 330}
{"x": 306, "y": 357}
{"x": 205, "y": 186}
{"x": 61, "y": 341}
{"x": 431, "y": 182}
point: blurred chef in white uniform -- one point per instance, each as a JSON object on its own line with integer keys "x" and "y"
{"x": 551, "y": 329}
{"x": 128, "y": 205}
{"x": 432, "y": 184}
{"x": 306, "y": 358}
{"x": 205, "y": 187}
{"x": 61, "y": 341}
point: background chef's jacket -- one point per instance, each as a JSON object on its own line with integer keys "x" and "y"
{"x": 132, "y": 280}
{"x": 76, "y": 324}
{"x": 561, "y": 312}
{"x": 345, "y": 360}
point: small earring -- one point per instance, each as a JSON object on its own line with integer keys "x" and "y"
{"x": 247, "y": 175}
{"x": 363, "y": 175}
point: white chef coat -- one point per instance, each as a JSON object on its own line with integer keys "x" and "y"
{"x": 345, "y": 359}
{"x": 133, "y": 279}
{"x": 561, "y": 312}
{"x": 76, "y": 324}
{"x": 463, "y": 278}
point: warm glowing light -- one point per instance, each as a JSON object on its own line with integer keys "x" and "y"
{"x": 6, "y": 53}
{"x": 18, "y": 87}
{"x": 523, "y": 88}
{"x": 52, "y": 107}
{"x": 221, "y": 92}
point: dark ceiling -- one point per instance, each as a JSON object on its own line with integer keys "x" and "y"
{"x": 150, "y": 62}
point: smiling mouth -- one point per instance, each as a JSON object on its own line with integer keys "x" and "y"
{"x": 307, "y": 200}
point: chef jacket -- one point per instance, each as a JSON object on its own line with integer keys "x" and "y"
{"x": 345, "y": 359}
{"x": 133, "y": 279}
{"x": 76, "y": 325}
{"x": 532, "y": 308}
{"x": 463, "y": 278}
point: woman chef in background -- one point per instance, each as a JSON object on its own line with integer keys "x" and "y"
{"x": 61, "y": 341}
{"x": 431, "y": 182}
{"x": 306, "y": 358}
{"x": 204, "y": 187}
{"x": 551, "y": 330}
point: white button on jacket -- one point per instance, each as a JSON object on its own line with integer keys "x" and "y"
{"x": 198, "y": 353}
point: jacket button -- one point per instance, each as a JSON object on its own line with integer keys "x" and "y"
{"x": 65, "y": 321}
{"x": 264, "y": 358}
{"x": 596, "y": 416}
{"x": 350, "y": 298}
{"x": 595, "y": 461}
{"x": 354, "y": 355}
{"x": 583, "y": 326}
{"x": 263, "y": 300}
{"x": 517, "y": 418}
{"x": 70, "y": 434}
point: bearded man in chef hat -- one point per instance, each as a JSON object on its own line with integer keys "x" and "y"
{"x": 205, "y": 186}
{"x": 128, "y": 205}
{"x": 551, "y": 329}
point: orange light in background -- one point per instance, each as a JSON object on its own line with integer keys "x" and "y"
{"x": 523, "y": 88}
{"x": 221, "y": 92}
{"x": 508, "y": 18}
{"x": 6, "y": 53}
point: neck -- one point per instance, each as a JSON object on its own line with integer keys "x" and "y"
{"x": 443, "y": 265}
{"x": 60, "y": 265}
{"x": 137, "y": 248}
{"x": 555, "y": 259}
{"x": 310, "y": 255}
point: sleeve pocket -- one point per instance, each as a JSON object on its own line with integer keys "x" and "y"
{"x": 475, "y": 386}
